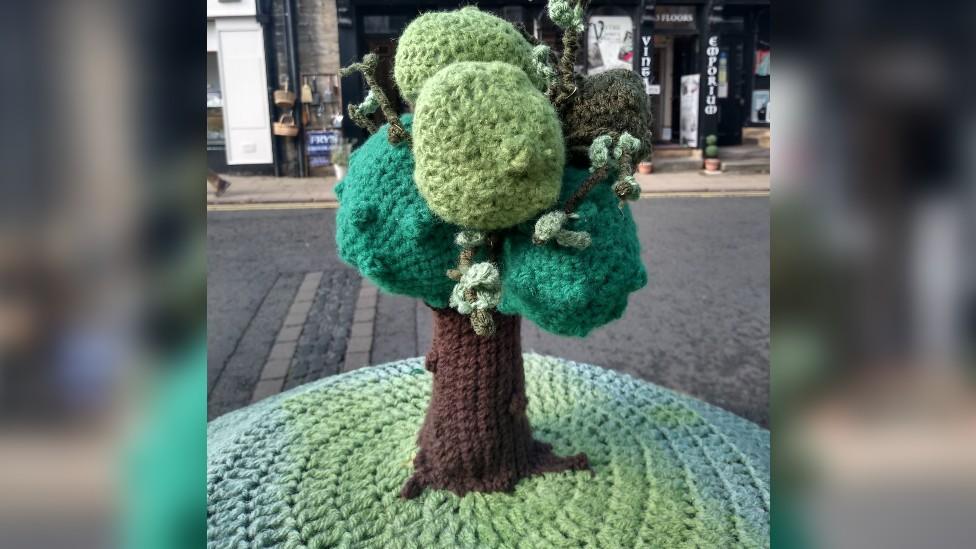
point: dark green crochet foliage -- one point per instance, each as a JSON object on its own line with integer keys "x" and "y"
{"x": 384, "y": 228}
{"x": 612, "y": 102}
{"x": 567, "y": 291}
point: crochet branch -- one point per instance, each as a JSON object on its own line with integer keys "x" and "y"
{"x": 502, "y": 196}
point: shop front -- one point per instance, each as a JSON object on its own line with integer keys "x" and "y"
{"x": 705, "y": 63}
{"x": 709, "y": 69}
{"x": 238, "y": 112}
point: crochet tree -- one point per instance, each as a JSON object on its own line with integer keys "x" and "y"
{"x": 502, "y": 196}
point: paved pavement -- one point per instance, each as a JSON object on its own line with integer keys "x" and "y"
{"x": 701, "y": 325}
{"x": 271, "y": 190}
{"x": 256, "y": 264}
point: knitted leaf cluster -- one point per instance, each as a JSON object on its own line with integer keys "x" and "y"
{"x": 611, "y": 102}
{"x": 571, "y": 291}
{"x": 488, "y": 146}
{"x": 384, "y": 228}
{"x": 437, "y": 39}
{"x": 487, "y": 154}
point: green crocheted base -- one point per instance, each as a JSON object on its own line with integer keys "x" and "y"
{"x": 322, "y": 466}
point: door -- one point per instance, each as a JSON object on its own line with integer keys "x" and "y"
{"x": 244, "y": 89}
{"x": 684, "y": 62}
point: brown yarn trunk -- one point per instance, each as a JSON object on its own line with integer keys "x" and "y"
{"x": 476, "y": 435}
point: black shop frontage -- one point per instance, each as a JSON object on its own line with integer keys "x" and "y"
{"x": 705, "y": 64}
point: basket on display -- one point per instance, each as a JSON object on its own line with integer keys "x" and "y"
{"x": 284, "y": 98}
{"x": 285, "y": 126}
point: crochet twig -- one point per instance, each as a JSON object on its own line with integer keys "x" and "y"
{"x": 360, "y": 113}
{"x": 367, "y": 67}
{"x": 478, "y": 288}
{"x": 596, "y": 177}
{"x": 570, "y": 19}
{"x": 602, "y": 160}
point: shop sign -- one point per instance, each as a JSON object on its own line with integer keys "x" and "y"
{"x": 320, "y": 144}
{"x": 646, "y": 70}
{"x": 711, "y": 76}
{"x": 675, "y": 18}
{"x": 609, "y": 43}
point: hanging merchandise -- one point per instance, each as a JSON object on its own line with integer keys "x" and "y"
{"x": 306, "y": 92}
{"x": 284, "y": 98}
{"x": 327, "y": 94}
{"x": 316, "y": 99}
{"x": 285, "y": 126}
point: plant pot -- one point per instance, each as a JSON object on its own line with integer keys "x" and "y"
{"x": 340, "y": 172}
{"x": 645, "y": 167}
{"x": 712, "y": 164}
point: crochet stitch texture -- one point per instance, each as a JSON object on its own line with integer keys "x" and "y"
{"x": 485, "y": 154}
{"x": 437, "y": 39}
{"x": 488, "y": 146}
{"x": 569, "y": 291}
{"x": 385, "y": 229}
{"x": 320, "y": 466}
{"x": 611, "y": 102}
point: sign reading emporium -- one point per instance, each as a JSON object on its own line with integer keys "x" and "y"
{"x": 711, "y": 77}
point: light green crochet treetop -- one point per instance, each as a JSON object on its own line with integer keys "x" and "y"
{"x": 469, "y": 205}
{"x": 437, "y": 39}
{"x": 476, "y": 118}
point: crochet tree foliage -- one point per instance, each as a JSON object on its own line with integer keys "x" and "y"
{"x": 502, "y": 196}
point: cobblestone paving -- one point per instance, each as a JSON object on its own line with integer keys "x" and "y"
{"x": 231, "y": 386}
{"x": 322, "y": 344}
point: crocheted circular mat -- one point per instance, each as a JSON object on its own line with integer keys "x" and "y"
{"x": 322, "y": 466}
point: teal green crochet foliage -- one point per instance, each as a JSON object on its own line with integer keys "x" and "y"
{"x": 321, "y": 466}
{"x": 437, "y": 39}
{"x": 488, "y": 145}
{"x": 569, "y": 291}
{"x": 384, "y": 228}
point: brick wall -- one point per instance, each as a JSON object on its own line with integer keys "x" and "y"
{"x": 318, "y": 53}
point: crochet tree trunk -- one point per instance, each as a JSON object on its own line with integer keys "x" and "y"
{"x": 476, "y": 434}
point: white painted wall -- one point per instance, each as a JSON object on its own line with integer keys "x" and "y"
{"x": 244, "y": 84}
{"x": 211, "y": 36}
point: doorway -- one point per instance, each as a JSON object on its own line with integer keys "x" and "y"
{"x": 675, "y": 55}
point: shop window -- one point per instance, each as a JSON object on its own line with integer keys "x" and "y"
{"x": 215, "y": 102}
{"x": 762, "y": 70}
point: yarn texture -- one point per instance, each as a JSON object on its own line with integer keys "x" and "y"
{"x": 321, "y": 465}
{"x": 571, "y": 291}
{"x": 385, "y": 230}
{"x": 488, "y": 146}
{"x": 476, "y": 434}
{"x": 437, "y": 39}
{"x": 608, "y": 103}
{"x": 470, "y": 206}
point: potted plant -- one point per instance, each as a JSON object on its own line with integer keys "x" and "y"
{"x": 340, "y": 160}
{"x": 712, "y": 163}
{"x": 645, "y": 166}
